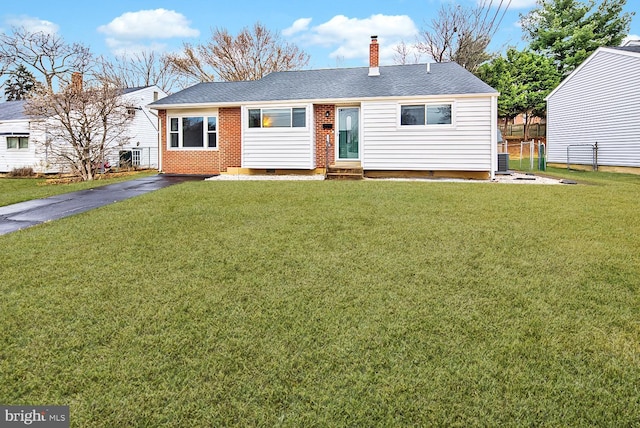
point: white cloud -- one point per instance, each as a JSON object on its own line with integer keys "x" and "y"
{"x": 128, "y": 48}
{"x": 349, "y": 37}
{"x": 33, "y": 25}
{"x": 149, "y": 24}
{"x": 299, "y": 25}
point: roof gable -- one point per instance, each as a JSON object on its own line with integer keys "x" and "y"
{"x": 333, "y": 84}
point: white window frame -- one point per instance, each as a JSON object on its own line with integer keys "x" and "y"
{"x": 17, "y": 147}
{"x": 290, "y": 127}
{"x": 426, "y": 106}
{"x": 205, "y": 132}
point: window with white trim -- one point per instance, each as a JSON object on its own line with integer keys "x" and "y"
{"x": 17, "y": 143}
{"x": 426, "y": 114}
{"x": 277, "y": 117}
{"x": 192, "y": 132}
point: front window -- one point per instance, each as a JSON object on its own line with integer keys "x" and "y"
{"x": 412, "y": 115}
{"x": 426, "y": 114}
{"x": 212, "y": 132}
{"x": 439, "y": 114}
{"x": 174, "y": 133}
{"x": 17, "y": 143}
{"x": 278, "y": 118}
{"x": 191, "y": 132}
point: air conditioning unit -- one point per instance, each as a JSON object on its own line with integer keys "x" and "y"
{"x": 503, "y": 163}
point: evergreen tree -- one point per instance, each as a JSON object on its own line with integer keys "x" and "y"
{"x": 568, "y": 31}
{"x": 19, "y": 84}
{"x": 524, "y": 79}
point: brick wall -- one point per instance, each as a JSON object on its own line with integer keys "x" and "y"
{"x": 319, "y": 111}
{"x": 230, "y": 137}
{"x": 205, "y": 162}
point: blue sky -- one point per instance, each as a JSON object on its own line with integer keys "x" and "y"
{"x": 333, "y": 32}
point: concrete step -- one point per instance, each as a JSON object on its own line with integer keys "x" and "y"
{"x": 345, "y": 171}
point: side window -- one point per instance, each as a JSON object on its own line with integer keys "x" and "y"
{"x": 17, "y": 143}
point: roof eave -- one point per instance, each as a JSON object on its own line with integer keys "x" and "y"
{"x": 185, "y": 106}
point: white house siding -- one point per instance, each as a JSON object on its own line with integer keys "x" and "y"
{"x": 143, "y": 128}
{"x": 278, "y": 148}
{"x": 600, "y": 103}
{"x": 465, "y": 146}
{"x": 31, "y": 157}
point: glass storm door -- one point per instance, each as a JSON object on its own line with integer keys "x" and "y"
{"x": 348, "y": 130}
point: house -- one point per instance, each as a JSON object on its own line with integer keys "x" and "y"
{"x": 598, "y": 103}
{"x": 419, "y": 119}
{"x": 21, "y": 143}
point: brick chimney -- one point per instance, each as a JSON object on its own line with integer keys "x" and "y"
{"x": 76, "y": 82}
{"x": 374, "y": 62}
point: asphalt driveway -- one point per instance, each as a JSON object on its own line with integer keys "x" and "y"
{"x": 29, "y": 213}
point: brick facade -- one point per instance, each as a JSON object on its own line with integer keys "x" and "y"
{"x": 206, "y": 161}
{"x": 319, "y": 115}
{"x": 230, "y": 137}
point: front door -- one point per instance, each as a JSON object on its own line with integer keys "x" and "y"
{"x": 348, "y": 131}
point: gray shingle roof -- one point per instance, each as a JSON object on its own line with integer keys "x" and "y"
{"x": 12, "y": 110}
{"x": 340, "y": 83}
{"x": 635, "y": 49}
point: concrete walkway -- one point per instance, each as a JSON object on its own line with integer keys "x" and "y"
{"x": 29, "y": 213}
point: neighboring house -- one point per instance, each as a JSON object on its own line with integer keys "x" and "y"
{"x": 419, "y": 119}
{"x": 17, "y": 148}
{"x": 598, "y": 103}
{"x": 21, "y": 143}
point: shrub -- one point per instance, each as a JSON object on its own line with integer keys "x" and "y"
{"x": 25, "y": 171}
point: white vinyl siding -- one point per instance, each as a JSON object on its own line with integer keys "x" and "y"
{"x": 463, "y": 146}
{"x": 19, "y": 158}
{"x": 143, "y": 128}
{"x": 600, "y": 103}
{"x": 278, "y": 148}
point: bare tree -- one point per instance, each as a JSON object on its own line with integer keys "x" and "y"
{"x": 250, "y": 55}
{"x": 405, "y": 54}
{"x": 45, "y": 53}
{"x": 82, "y": 125}
{"x": 144, "y": 68}
{"x": 462, "y": 34}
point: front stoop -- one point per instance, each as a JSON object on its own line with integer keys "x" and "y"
{"x": 345, "y": 171}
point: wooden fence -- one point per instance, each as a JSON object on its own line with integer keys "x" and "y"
{"x": 534, "y": 130}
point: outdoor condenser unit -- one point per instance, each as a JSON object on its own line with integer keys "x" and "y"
{"x": 503, "y": 162}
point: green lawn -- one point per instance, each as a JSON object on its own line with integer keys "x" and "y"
{"x": 372, "y": 303}
{"x": 14, "y": 190}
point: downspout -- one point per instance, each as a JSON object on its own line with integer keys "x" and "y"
{"x": 159, "y": 133}
{"x": 494, "y": 136}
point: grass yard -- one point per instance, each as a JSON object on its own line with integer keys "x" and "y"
{"x": 14, "y": 190}
{"x": 371, "y": 303}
